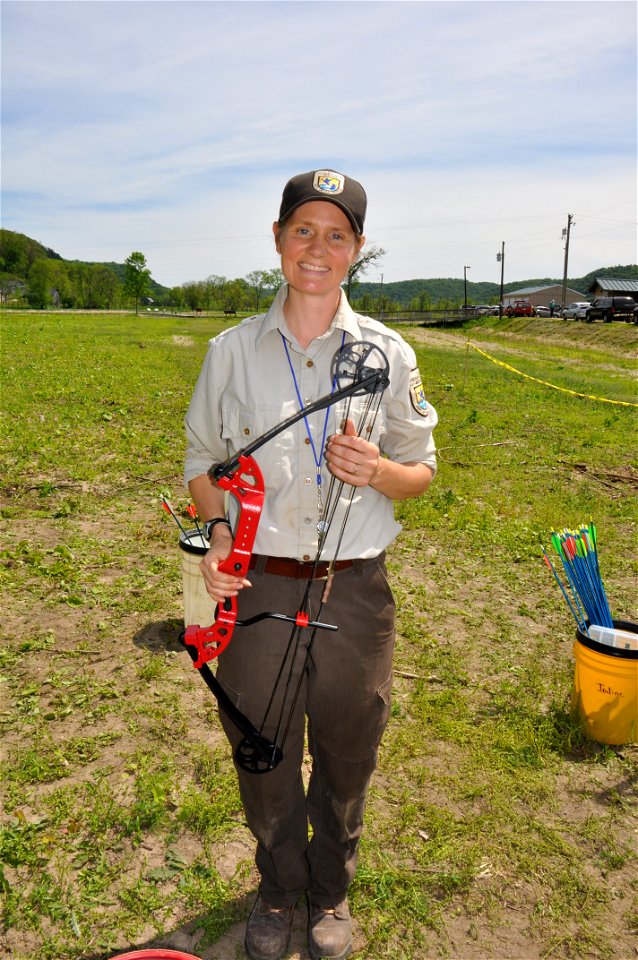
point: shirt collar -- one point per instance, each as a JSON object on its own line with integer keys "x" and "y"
{"x": 274, "y": 321}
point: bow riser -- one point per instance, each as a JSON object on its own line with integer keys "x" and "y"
{"x": 246, "y": 483}
{"x": 251, "y": 501}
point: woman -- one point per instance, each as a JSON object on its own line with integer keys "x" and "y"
{"x": 256, "y": 375}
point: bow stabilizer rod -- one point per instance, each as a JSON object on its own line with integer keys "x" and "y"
{"x": 208, "y": 644}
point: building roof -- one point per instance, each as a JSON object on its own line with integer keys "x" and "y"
{"x": 526, "y": 290}
{"x": 531, "y": 291}
{"x": 614, "y": 284}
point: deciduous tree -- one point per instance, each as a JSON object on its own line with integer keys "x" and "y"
{"x": 370, "y": 255}
{"x": 137, "y": 277}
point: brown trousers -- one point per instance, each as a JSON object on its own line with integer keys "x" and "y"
{"x": 345, "y": 695}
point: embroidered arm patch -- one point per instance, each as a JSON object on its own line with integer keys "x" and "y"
{"x": 417, "y": 394}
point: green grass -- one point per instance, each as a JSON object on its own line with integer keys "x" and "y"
{"x": 494, "y": 825}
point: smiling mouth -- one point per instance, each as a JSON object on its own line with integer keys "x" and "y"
{"x": 314, "y": 268}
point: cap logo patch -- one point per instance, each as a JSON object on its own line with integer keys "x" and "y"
{"x": 327, "y": 181}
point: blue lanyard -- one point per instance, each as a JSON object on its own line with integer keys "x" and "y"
{"x": 317, "y": 457}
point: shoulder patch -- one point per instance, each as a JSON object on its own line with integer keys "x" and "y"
{"x": 417, "y": 394}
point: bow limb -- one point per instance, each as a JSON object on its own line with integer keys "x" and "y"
{"x": 352, "y": 364}
{"x": 266, "y": 754}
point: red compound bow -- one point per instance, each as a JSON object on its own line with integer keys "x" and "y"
{"x": 358, "y": 368}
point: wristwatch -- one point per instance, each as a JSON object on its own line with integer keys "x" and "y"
{"x": 209, "y": 524}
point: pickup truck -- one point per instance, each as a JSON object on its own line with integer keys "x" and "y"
{"x": 519, "y": 308}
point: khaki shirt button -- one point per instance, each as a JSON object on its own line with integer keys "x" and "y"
{"x": 306, "y": 556}
{"x": 307, "y": 441}
{"x": 308, "y": 481}
{"x": 307, "y": 520}
{"x": 309, "y": 363}
{"x": 247, "y": 431}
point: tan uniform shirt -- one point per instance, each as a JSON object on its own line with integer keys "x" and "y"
{"x": 246, "y": 387}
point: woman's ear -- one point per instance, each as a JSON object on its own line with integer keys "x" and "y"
{"x": 359, "y": 245}
{"x": 276, "y": 229}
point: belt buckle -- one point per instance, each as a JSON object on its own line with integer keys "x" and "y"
{"x": 324, "y": 565}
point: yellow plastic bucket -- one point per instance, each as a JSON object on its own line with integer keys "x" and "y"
{"x": 605, "y": 694}
{"x": 198, "y": 607}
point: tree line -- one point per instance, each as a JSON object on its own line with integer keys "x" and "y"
{"x": 36, "y": 276}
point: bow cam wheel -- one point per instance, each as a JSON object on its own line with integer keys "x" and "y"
{"x": 256, "y": 757}
{"x": 363, "y": 363}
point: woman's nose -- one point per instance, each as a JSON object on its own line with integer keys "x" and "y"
{"x": 317, "y": 244}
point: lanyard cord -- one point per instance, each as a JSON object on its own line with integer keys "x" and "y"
{"x": 317, "y": 457}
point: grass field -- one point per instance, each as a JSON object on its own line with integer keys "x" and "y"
{"x": 495, "y": 827}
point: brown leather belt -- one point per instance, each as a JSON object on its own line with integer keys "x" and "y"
{"x": 297, "y": 569}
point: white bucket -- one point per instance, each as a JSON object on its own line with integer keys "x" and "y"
{"x": 198, "y": 607}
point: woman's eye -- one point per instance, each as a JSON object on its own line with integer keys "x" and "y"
{"x": 303, "y": 231}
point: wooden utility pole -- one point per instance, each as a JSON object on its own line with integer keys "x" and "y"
{"x": 501, "y": 258}
{"x": 570, "y": 223}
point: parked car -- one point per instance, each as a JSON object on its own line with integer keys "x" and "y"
{"x": 482, "y": 310}
{"x": 519, "y": 308}
{"x": 611, "y": 308}
{"x": 577, "y": 310}
{"x": 541, "y": 311}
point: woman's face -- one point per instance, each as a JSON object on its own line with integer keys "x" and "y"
{"x": 317, "y": 246}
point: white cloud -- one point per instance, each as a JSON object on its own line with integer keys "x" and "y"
{"x": 170, "y": 127}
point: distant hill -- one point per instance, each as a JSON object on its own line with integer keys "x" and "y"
{"x": 451, "y": 289}
{"x": 18, "y": 253}
{"x": 36, "y": 273}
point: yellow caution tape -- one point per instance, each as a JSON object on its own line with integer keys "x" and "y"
{"x": 574, "y": 393}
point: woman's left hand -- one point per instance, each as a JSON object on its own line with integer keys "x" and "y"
{"x": 351, "y": 458}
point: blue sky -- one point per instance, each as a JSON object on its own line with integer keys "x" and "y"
{"x": 171, "y": 127}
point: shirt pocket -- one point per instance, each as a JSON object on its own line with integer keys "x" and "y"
{"x": 243, "y": 425}
{"x": 369, "y": 422}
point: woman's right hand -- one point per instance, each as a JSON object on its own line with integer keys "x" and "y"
{"x": 220, "y": 585}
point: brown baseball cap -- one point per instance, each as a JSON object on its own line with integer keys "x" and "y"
{"x": 326, "y": 185}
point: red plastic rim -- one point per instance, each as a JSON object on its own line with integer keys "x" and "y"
{"x": 156, "y": 954}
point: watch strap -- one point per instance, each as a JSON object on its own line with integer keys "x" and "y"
{"x": 210, "y": 524}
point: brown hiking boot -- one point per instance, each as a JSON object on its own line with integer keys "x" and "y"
{"x": 268, "y": 931}
{"x": 329, "y": 931}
